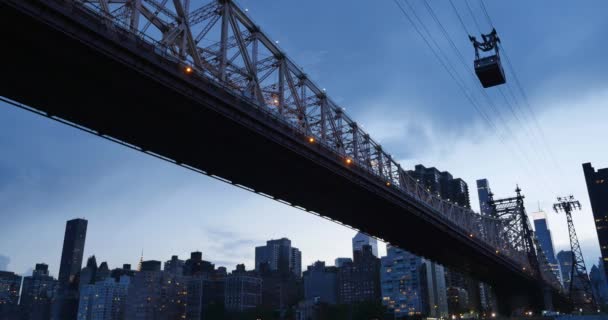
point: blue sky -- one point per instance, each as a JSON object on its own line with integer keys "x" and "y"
{"x": 372, "y": 62}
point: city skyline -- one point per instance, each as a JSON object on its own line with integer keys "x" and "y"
{"x": 54, "y": 173}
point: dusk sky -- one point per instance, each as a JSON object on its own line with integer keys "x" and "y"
{"x": 371, "y": 61}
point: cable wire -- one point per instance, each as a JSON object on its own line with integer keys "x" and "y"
{"x": 543, "y": 137}
{"x": 484, "y": 93}
{"x": 454, "y": 74}
{"x": 473, "y": 15}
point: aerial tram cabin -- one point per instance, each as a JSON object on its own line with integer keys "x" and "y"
{"x": 488, "y": 69}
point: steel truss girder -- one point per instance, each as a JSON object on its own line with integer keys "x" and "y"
{"x": 242, "y": 59}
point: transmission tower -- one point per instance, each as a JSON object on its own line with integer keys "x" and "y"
{"x": 580, "y": 286}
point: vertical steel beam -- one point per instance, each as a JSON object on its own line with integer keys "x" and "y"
{"x": 134, "y": 24}
{"x": 224, "y": 39}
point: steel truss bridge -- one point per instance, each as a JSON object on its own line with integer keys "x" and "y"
{"x": 208, "y": 90}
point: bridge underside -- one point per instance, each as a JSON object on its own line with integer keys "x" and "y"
{"x": 129, "y": 93}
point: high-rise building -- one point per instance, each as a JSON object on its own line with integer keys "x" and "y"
{"x": 73, "y": 250}
{"x": 243, "y": 290}
{"x": 206, "y": 294}
{"x": 10, "y": 284}
{"x": 196, "y": 265}
{"x": 359, "y": 281}
{"x": 175, "y": 266}
{"x": 154, "y": 294}
{"x": 296, "y": 262}
{"x": 543, "y": 234}
{"x": 36, "y": 294}
{"x": 458, "y": 300}
{"x": 473, "y": 287}
{"x": 65, "y": 301}
{"x": 599, "y": 285}
{"x": 280, "y": 256}
{"x": 483, "y": 192}
{"x": 442, "y": 184}
{"x": 564, "y": 258}
{"x": 361, "y": 239}
{"x": 124, "y": 271}
{"x": 597, "y": 187}
{"x": 342, "y": 261}
{"x": 321, "y": 283}
{"x": 88, "y": 273}
{"x": 412, "y": 286}
{"x": 104, "y": 300}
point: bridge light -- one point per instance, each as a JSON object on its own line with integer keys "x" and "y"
{"x": 188, "y": 69}
{"x": 388, "y": 183}
{"x": 471, "y": 235}
{"x": 349, "y": 161}
{"x": 497, "y": 252}
{"x": 311, "y": 139}
{"x": 493, "y": 315}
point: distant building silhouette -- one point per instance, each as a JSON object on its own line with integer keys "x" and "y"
{"x": 243, "y": 290}
{"x": 359, "y": 281}
{"x": 176, "y": 266}
{"x": 206, "y": 292}
{"x": 597, "y": 187}
{"x": 361, "y": 239}
{"x": 458, "y": 300}
{"x": 65, "y": 303}
{"x": 412, "y": 286}
{"x": 442, "y": 183}
{"x": 105, "y": 299}
{"x": 280, "y": 256}
{"x": 599, "y": 284}
{"x": 88, "y": 273}
{"x": 483, "y": 192}
{"x": 321, "y": 283}
{"x": 564, "y": 258}
{"x": 36, "y": 294}
{"x": 10, "y": 284}
{"x": 338, "y": 262}
{"x": 195, "y": 265}
{"x": 124, "y": 271}
{"x": 543, "y": 233}
{"x": 154, "y": 294}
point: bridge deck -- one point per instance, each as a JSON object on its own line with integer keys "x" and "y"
{"x": 78, "y": 70}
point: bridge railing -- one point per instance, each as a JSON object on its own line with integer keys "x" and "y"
{"x": 221, "y": 43}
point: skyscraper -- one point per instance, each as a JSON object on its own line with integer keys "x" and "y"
{"x": 483, "y": 191}
{"x": 359, "y": 281}
{"x": 597, "y": 187}
{"x": 104, "y": 300}
{"x": 443, "y": 184}
{"x": 280, "y": 256}
{"x": 36, "y": 294}
{"x": 154, "y": 294}
{"x": 65, "y": 303}
{"x": 361, "y": 239}
{"x": 543, "y": 233}
{"x": 413, "y": 286}
{"x": 73, "y": 250}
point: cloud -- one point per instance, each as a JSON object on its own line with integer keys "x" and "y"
{"x": 574, "y": 128}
